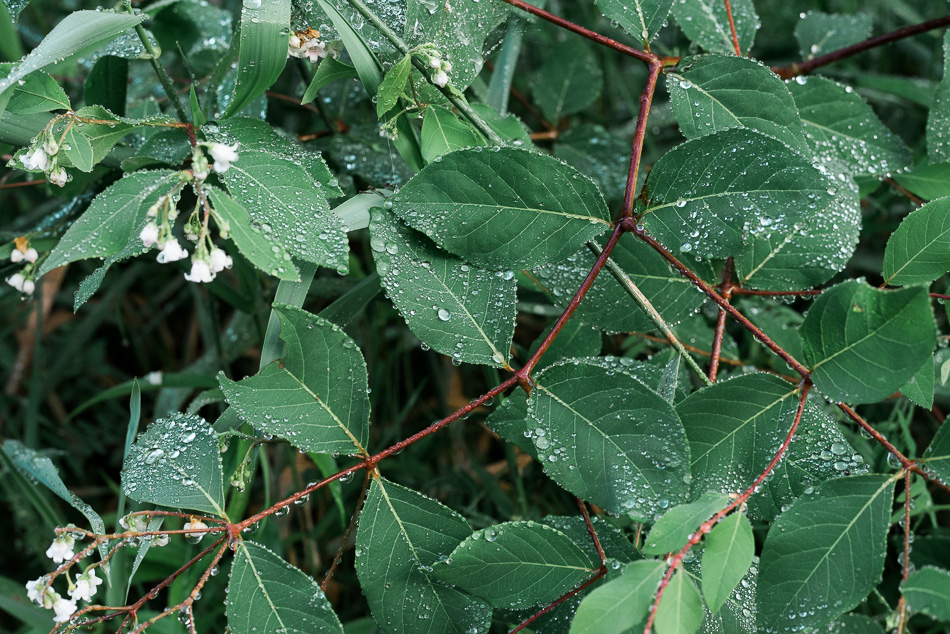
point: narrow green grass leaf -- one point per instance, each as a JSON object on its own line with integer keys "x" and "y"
{"x": 265, "y": 36}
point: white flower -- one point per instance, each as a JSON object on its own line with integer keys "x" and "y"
{"x": 152, "y": 378}
{"x": 34, "y": 591}
{"x": 295, "y": 47}
{"x": 35, "y": 159}
{"x": 28, "y": 287}
{"x": 171, "y": 251}
{"x": 149, "y": 235}
{"x": 447, "y": 66}
{"x": 200, "y": 271}
{"x": 139, "y": 523}
{"x": 31, "y": 255}
{"x": 16, "y": 256}
{"x": 295, "y": 41}
{"x": 440, "y": 79}
{"x": 160, "y": 540}
{"x": 435, "y": 62}
{"x": 51, "y": 147}
{"x": 195, "y": 525}
{"x": 86, "y": 586}
{"x": 61, "y": 548}
{"x": 223, "y": 156}
{"x": 317, "y": 51}
{"x": 16, "y": 281}
{"x": 64, "y": 609}
{"x": 58, "y": 177}
{"x": 220, "y": 260}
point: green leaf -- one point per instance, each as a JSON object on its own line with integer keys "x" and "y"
{"x": 14, "y": 8}
{"x": 107, "y": 225}
{"x": 443, "y": 132}
{"x": 855, "y": 624}
{"x": 107, "y": 84}
{"x": 672, "y": 531}
{"x": 927, "y": 181}
{"x": 607, "y": 304}
{"x": 600, "y": 154}
{"x": 575, "y": 339}
{"x": 364, "y": 61}
{"x": 457, "y": 309}
{"x": 267, "y": 594}
{"x": 394, "y": 84}
{"x": 713, "y": 93}
{"x": 570, "y": 80}
{"x": 727, "y": 556}
{"x": 938, "y": 121}
{"x": 78, "y": 31}
{"x": 937, "y": 454}
{"x": 681, "y": 608}
{"x": 38, "y": 93}
{"x": 620, "y": 604}
{"x": 824, "y": 554}
{"x": 104, "y": 136}
{"x": 263, "y": 50}
{"x": 509, "y": 421}
{"x": 401, "y": 536}
{"x": 329, "y": 70}
{"x": 176, "y": 463}
{"x": 77, "y": 149}
{"x": 863, "y": 343}
{"x": 642, "y": 19}
{"x": 299, "y": 397}
{"x": 706, "y": 22}
{"x": 516, "y": 565}
{"x": 919, "y": 250}
{"x": 608, "y": 438}
{"x": 928, "y": 591}
{"x": 819, "y": 33}
{"x": 705, "y": 195}
{"x": 842, "y": 128}
{"x": 503, "y": 207}
{"x": 920, "y": 387}
{"x": 264, "y": 253}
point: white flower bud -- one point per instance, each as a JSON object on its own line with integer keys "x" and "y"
{"x": 64, "y": 609}
{"x": 35, "y": 159}
{"x": 16, "y": 256}
{"x": 440, "y": 79}
{"x": 447, "y": 66}
{"x": 51, "y": 147}
{"x": 31, "y": 255}
{"x": 435, "y": 62}
{"x": 16, "y": 281}
{"x": 223, "y": 156}
{"x": 220, "y": 260}
{"x": 58, "y": 177}
{"x": 149, "y": 235}
{"x": 171, "y": 252}
{"x": 200, "y": 271}
{"x": 28, "y": 287}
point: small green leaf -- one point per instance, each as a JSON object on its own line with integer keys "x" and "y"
{"x": 819, "y": 33}
{"x": 329, "y": 70}
{"x": 927, "y": 181}
{"x": 824, "y": 554}
{"x": 681, "y": 608}
{"x": 570, "y": 80}
{"x": 642, "y": 19}
{"x": 937, "y": 454}
{"x": 928, "y": 591}
{"x": 77, "y": 149}
{"x": 864, "y": 343}
{"x": 267, "y": 594}
{"x": 620, "y": 604}
{"x": 443, "y": 132}
{"x": 394, "y": 84}
{"x": 938, "y": 122}
{"x": 176, "y": 463}
{"x": 919, "y": 250}
{"x": 608, "y": 438}
{"x": 263, "y": 50}
{"x": 401, "y": 536}
{"x": 727, "y": 556}
{"x": 920, "y": 387}
{"x": 706, "y": 22}
{"x": 516, "y": 565}
{"x": 197, "y": 116}
{"x": 298, "y": 397}
{"x": 674, "y": 528}
{"x": 457, "y": 309}
{"x": 264, "y": 253}
{"x": 509, "y": 422}
{"x": 503, "y": 207}
{"x": 38, "y": 93}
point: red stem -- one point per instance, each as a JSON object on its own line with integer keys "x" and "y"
{"x": 732, "y": 26}
{"x": 591, "y": 531}
{"x": 531, "y": 619}
{"x": 726, "y": 289}
{"x": 636, "y": 152}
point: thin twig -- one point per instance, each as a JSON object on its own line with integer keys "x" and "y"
{"x": 732, "y": 26}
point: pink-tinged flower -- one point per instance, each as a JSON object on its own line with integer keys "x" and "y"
{"x": 64, "y": 609}
{"x": 149, "y": 235}
{"x": 220, "y": 260}
{"x": 440, "y": 79}
{"x": 58, "y": 177}
{"x": 61, "y": 549}
{"x": 223, "y": 156}
{"x": 171, "y": 252}
{"x": 86, "y": 586}
{"x": 200, "y": 271}
{"x": 317, "y": 51}
{"x": 31, "y": 255}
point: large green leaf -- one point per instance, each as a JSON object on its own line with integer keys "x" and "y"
{"x": 819, "y": 33}
{"x": 517, "y": 564}
{"x": 842, "y": 128}
{"x": 672, "y": 531}
{"x": 443, "y": 132}
{"x": 863, "y": 343}
{"x": 928, "y": 591}
{"x": 608, "y": 438}
{"x": 315, "y": 395}
{"x": 706, "y": 22}
{"x": 176, "y": 463}
{"x": 569, "y": 80}
{"x": 78, "y": 31}
{"x": 457, "y": 309}
{"x": 927, "y": 181}
{"x": 824, "y": 554}
{"x": 642, "y": 19}
{"x": 503, "y": 207}
{"x": 681, "y": 608}
{"x": 265, "y": 31}
{"x": 938, "y": 123}
{"x": 712, "y": 93}
{"x": 267, "y": 594}
{"x": 622, "y": 603}
{"x": 107, "y": 225}
{"x": 919, "y": 250}
{"x": 727, "y": 556}
{"x": 401, "y": 536}
{"x": 711, "y": 195}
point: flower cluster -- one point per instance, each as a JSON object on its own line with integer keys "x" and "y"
{"x": 41, "y": 592}
{"x": 222, "y": 155}
{"x": 442, "y": 69}
{"x": 43, "y": 156}
{"x": 306, "y": 44}
{"x": 23, "y": 280}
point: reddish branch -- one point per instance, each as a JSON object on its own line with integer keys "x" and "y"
{"x": 534, "y": 617}
{"x": 636, "y": 152}
{"x": 726, "y": 290}
{"x": 732, "y": 27}
{"x": 591, "y": 531}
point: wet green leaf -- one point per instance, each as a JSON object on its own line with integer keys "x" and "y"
{"x": 729, "y": 549}
{"x": 570, "y": 80}
{"x": 919, "y": 250}
{"x": 706, "y": 23}
{"x": 642, "y": 19}
{"x": 928, "y": 591}
{"x": 264, "y": 39}
{"x": 622, "y": 603}
{"x": 672, "y": 531}
{"x": 819, "y": 33}
{"x": 681, "y": 608}
{"x": 443, "y": 132}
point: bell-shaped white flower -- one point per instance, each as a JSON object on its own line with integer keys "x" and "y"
{"x": 35, "y": 159}
{"x": 440, "y": 79}
{"x": 149, "y": 234}
{"x": 58, "y": 177}
{"x": 223, "y": 156}
{"x": 220, "y": 260}
{"x": 61, "y": 549}
{"x": 195, "y": 525}
{"x": 35, "y": 592}
{"x": 86, "y": 586}
{"x": 51, "y": 147}
{"x": 435, "y": 62}
{"x": 64, "y": 609}
{"x": 171, "y": 252}
{"x": 200, "y": 271}
{"x": 17, "y": 256}
{"x": 31, "y": 255}
{"x": 28, "y": 287}
{"x": 447, "y": 66}
{"x": 16, "y": 281}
